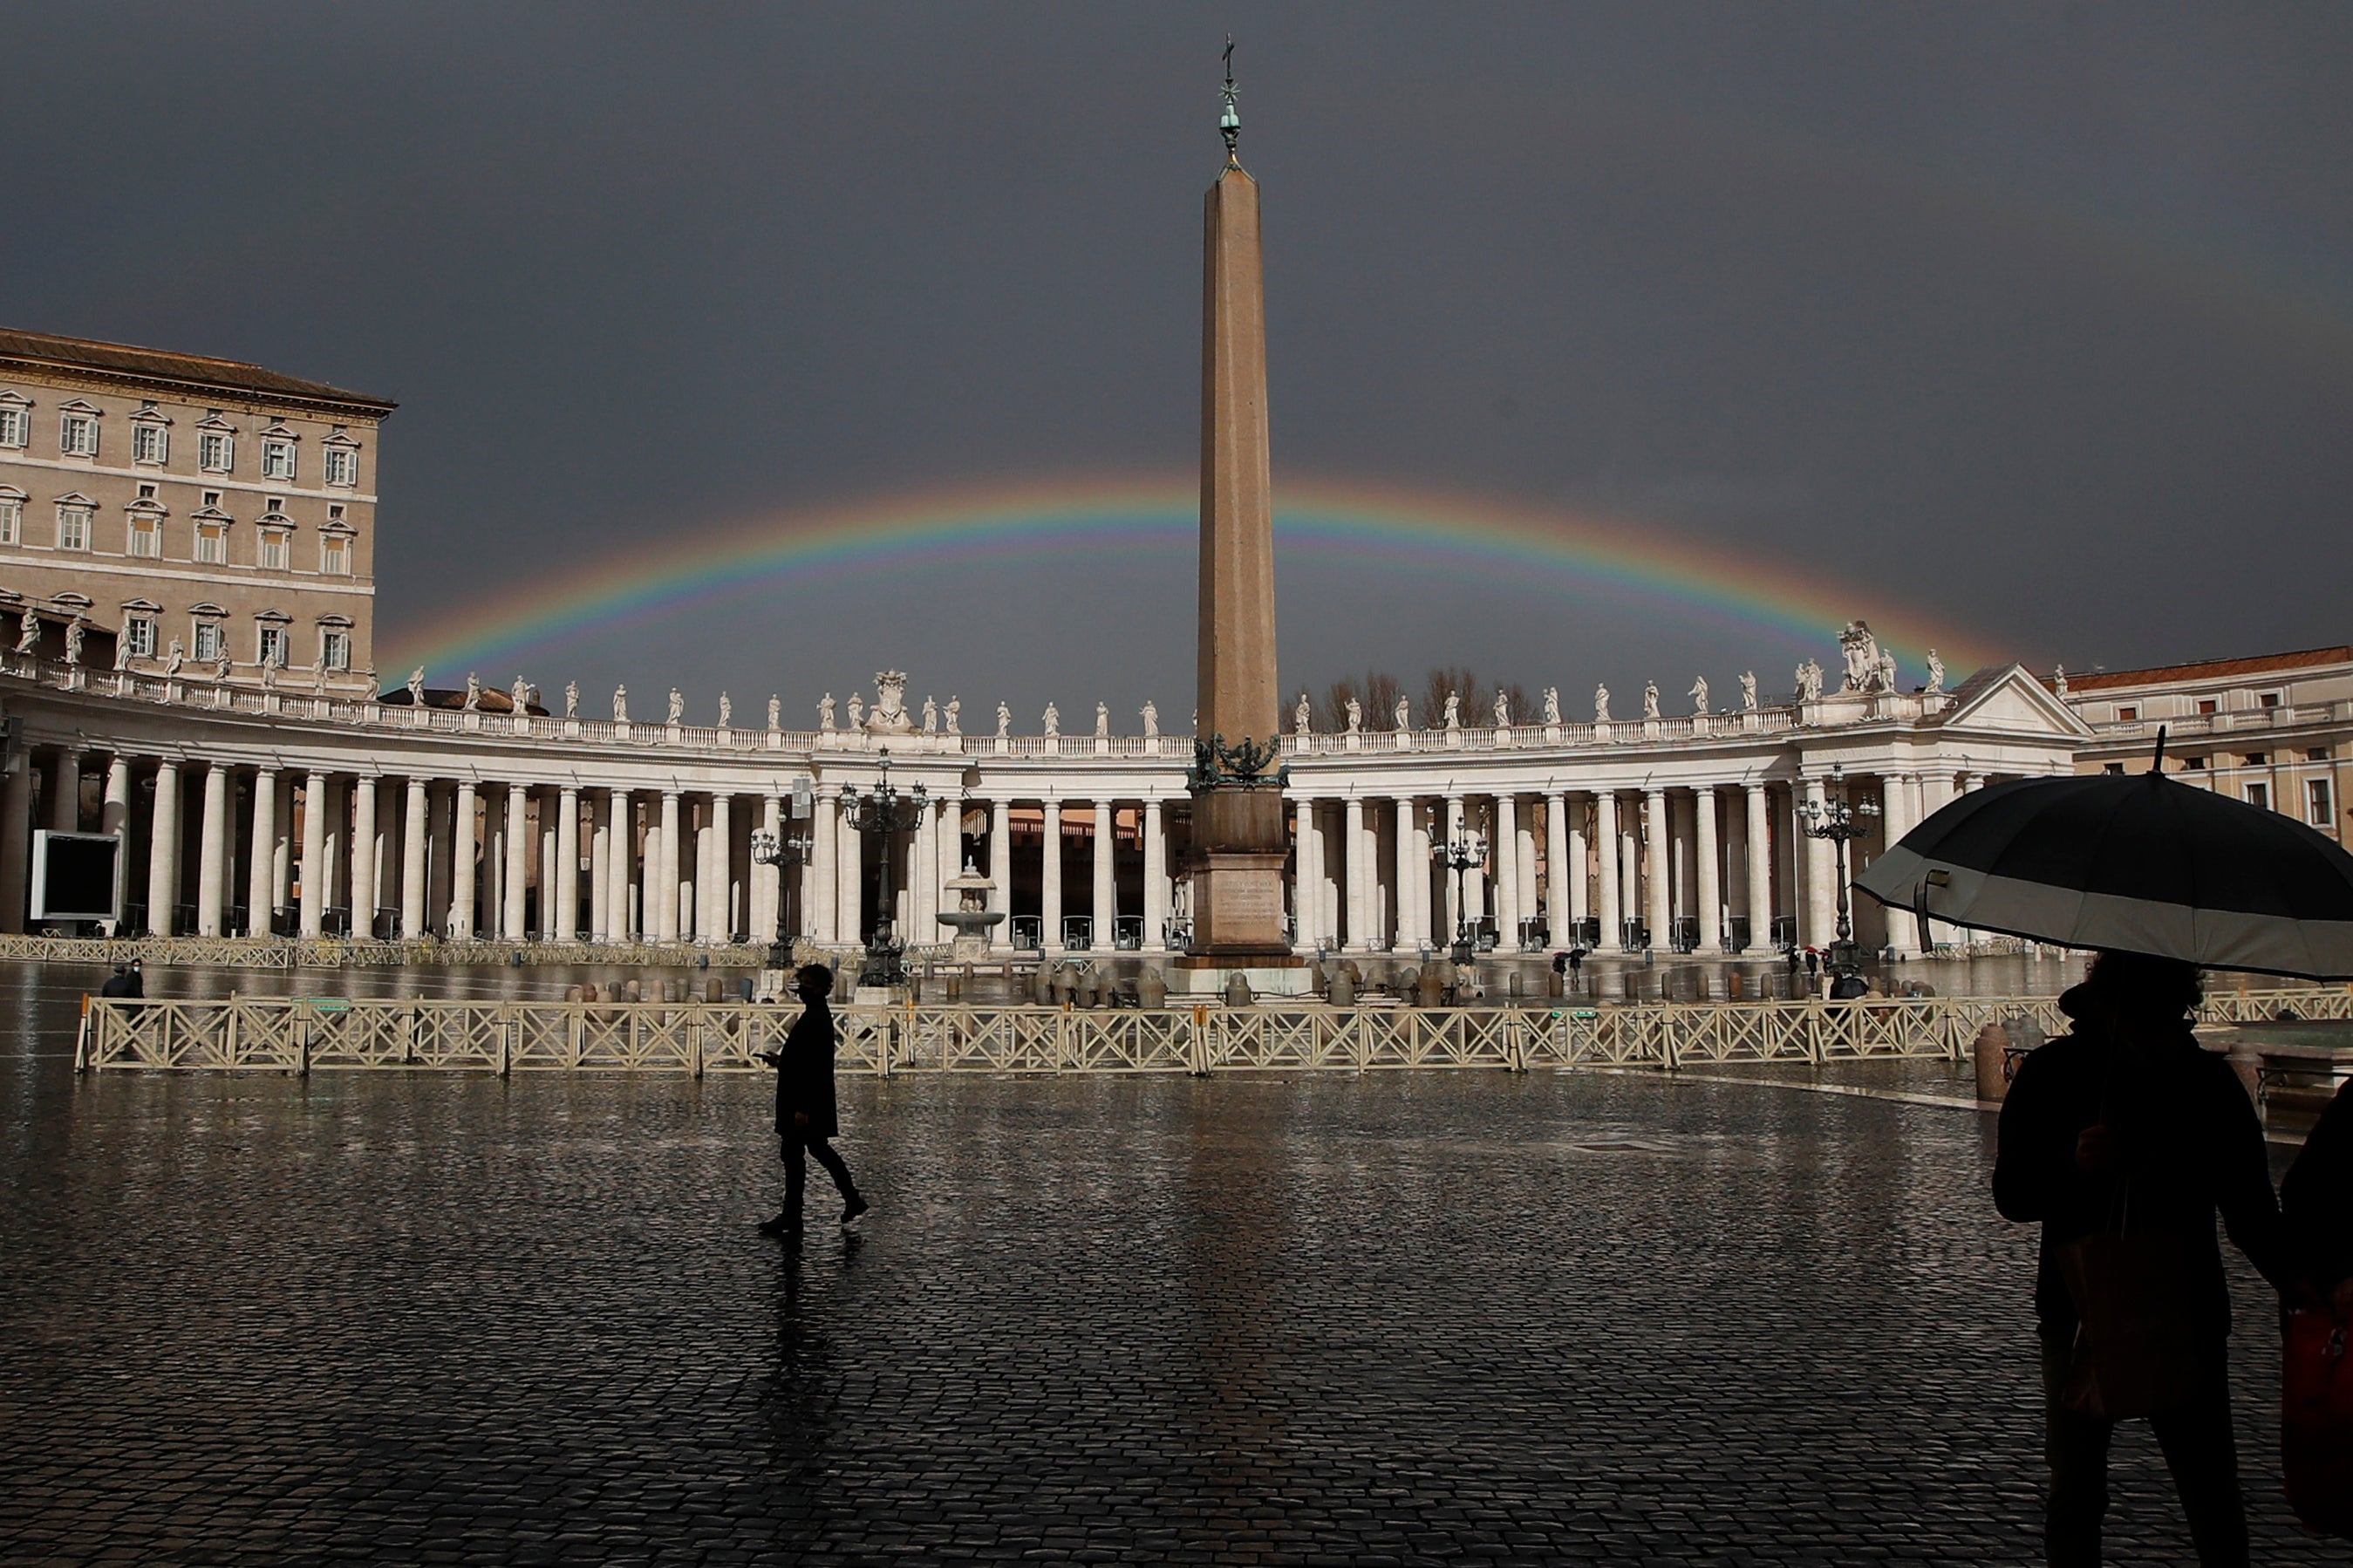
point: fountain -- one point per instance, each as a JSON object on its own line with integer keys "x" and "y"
{"x": 971, "y": 917}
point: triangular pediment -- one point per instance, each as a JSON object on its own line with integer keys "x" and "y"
{"x": 2007, "y": 698}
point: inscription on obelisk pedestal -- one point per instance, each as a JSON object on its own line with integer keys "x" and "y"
{"x": 1240, "y": 844}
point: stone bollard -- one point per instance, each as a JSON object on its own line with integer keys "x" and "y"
{"x": 1341, "y": 990}
{"x": 956, "y": 982}
{"x": 1151, "y": 988}
{"x": 572, "y": 994}
{"x": 1556, "y": 983}
{"x": 1989, "y": 1050}
{"x": 633, "y": 992}
{"x": 1432, "y": 985}
{"x": 1512, "y": 986}
{"x": 1238, "y": 991}
{"x": 588, "y": 992}
{"x": 715, "y": 990}
{"x": 1041, "y": 986}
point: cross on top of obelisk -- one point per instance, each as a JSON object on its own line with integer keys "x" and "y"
{"x": 1229, "y": 121}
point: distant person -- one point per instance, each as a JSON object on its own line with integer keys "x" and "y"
{"x": 1813, "y": 970}
{"x": 2123, "y": 1125}
{"x": 805, "y": 1104}
{"x": 1576, "y": 968}
{"x": 1848, "y": 985}
{"x": 119, "y": 984}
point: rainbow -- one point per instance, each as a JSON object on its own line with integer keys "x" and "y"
{"x": 1470, "y": 536}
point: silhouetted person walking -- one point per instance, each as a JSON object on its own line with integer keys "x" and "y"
{"x": 805, "y": 1108}
{"x": 2124, "y": 1127}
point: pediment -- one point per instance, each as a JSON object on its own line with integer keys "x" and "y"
{"x": 150, "y": 416}
{"x": 13, "y": 399}
{"x": 75, "y": 497}
{"x": 77, "y": 406}
{"x": 146, "y": 607}
{"x": 215, "y": 422}
{"x": 2007, "y": 698}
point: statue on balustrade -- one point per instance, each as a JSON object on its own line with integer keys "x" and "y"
{"x": 73, "y": 639}
{"x": 1455, "y": 710}
{"x": 520, "y": 695}
{"x": 1861, "y": 650}
{"x": 1650, "y": 700}
{"x": 1151, "y": 715}
{"x": 931, "y": 716}
{"x": 220, "y": 666}
{"x": 1883, "y": 675}
{"x": 620, "y": 705}
{"x": 1935, "y": 674}
{"x": 1748, "y": 691}
{"x": 1102, "y": 719}
{"x": 677, "y": 706}
{"x": 856, "y": 710}
{"x": 1552, "y": 705}
{"x": 121, "y": 654}
{"x": 1404, "y": 714}
{"x": 1053, "y": 719}
{"x": 1601, "y": 705}
{"x": 2059, "y": 680}
{"x": 28, "y": 630}
{"x": 473, "y": 690}
{"x": 1698, "y": 694}
{"x": 1301, "y": 715}
{"x": 1004, "y": 720}
{"x": 1502, "y": 710}
{"x": 1356, "y": 716}
{"x": 572, "y": 700}
{"x": 889, "y": 715}
{"x": 270, "y": 675}
{"x": 726, "y": 711}
{"x": 825, "y": 711}
{"x": 955, "y": 707}
{"x": 776, "y": 712}
{"x": 319, "y": 672}
{"x": 416, "y": 680}
{"x": 1809, "y": 682}
{"x": 178, "y": 657}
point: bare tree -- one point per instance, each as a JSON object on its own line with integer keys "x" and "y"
{"x": 1461, "y": 683}
{"x": 1376, "y": 690}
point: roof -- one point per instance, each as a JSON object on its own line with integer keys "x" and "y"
{"x": 193, "y": 370}
{"x": 2207, "y": 669}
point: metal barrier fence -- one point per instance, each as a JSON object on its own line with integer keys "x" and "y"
{"x": 302, "y": 1034}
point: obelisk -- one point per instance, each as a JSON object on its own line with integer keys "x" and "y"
{"x": 1239, "y": 844}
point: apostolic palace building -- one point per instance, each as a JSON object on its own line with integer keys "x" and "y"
{"x": 186, "y": 548}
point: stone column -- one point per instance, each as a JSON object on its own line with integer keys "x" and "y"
{"x": 710, "y": 889}
{"x": 825, "y": 877}
{"x": 1658, "y": 906}
{"x": 1106, "y": 887}
{"x": 923, "y": 875}
{"x": 212, "y": 852}
{"x": 600, "y": 866}
{"x": 17, "y": 848}
{"x": 515, "y": 922}
{"x": 462, "y": 831}
{"x": 1307, "y": 877}
{"x": 1896, "y": 794}
{"x": 1556, "y": 872}
{"x": 1357, "y": 914}
{"x": 849, "y": 866}
{"x": 65, "y": 800}
{"x": 1761, "y": 867}
{"x": 314, "y": 856}
{"x": 1935, "y": 794}
{"x": 362, "y": 900}
{"x": 621, "y": 865}
{"x": 1050, "y": 880}
{"x": 1508, "y": 913}
{"x": 281, "y": 854}
{"x": 114, "y": 812}
{"x": 1821, "y": 881}
{"x": 163, "y": 849}
{"x": 1580, "y": 903}
{"x": 662, "y": 869}
{"x": 261, "y": 854}
{"x": 1402, "y": 867}
{"x": 336, "y": 891}
{"x": 768, "y": 881}
{"x": 1711, "y": 884}
{"x": 1000, "y": 869}
{"x": 1156, "y": 879}
{"x": 566, "y": 925}
{"x": 1455, "y": 914}
{"x": 413, "y": 841}
{"x": 493, "y": 875}
{"x": 543, "y": 928}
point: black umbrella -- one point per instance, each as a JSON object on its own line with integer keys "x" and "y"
{"x": 2137, "y": 863}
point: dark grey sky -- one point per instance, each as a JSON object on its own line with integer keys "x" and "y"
{"x": 2037, "y": 317}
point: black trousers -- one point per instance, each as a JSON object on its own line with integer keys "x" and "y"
{"x": 2198, "y": 1450}
{"x": 797, "y": 1171}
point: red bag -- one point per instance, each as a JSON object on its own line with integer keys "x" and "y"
{"x": 2316, "y": 1419}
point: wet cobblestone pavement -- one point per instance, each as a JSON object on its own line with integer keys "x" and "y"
{"x": 1399, "y": 1319}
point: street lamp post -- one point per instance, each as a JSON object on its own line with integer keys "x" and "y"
{"x": 789, "y": 849}
{"x": 885, "y": 811}
{"x": 1841, "y": 822}
{"x": 1469, "y": 849}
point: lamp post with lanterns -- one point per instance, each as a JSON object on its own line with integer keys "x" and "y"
{"x": 1841, "y": 821}
{"x": 885, "y": 813}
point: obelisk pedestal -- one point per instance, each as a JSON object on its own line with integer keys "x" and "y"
{"x": 1239, "y": 840}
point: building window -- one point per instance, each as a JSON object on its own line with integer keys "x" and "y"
{"x": 2315, "y": 802}
{"x": 12, "y": 523}
{"x": 273, "y": 646}
{"x": 335, "y": 648}
{"x": 139, "y": 636}
{"x": 212, "y": 544}
{"x": 2195, "y": 764}
{"x": 209, "y": 641}
{"x": 2117, "y": 768}
{"x": 273, "y": 549}
{"x": 14, "y": 426}
{"x": 149, "y": 443}
{"x": 2205, "y": 705}
{"x": 342, "y": 467}
{"x": 77, "y": 436}
{"x": 146, "y": 537}
{"x": 2260, "y": 795}
{"x": 335, "y": 555}
{"x": 2317, "y": 755}
{"x": 2267, "y": 699}
{"x": 2259, "y": 759}
{"x": 73, "y": 527}
{"x": 277, "y": 458}
{"x": 2128, "y": 715}
{"x": 216, "y": 451}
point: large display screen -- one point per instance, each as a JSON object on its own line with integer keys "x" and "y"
{"x": 76, "y": 876}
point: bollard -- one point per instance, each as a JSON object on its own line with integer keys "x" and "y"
{"x": 1340, "y": 989}
{"x": 1989, "y": 1049}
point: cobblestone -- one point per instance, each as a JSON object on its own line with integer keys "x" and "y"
{"x": 1399, "y": 1320}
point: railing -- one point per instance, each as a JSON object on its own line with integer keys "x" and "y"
{"x": 2237, "y": 721}
{"x": 300, "y": 1034}
{"x": 335, "y": 953}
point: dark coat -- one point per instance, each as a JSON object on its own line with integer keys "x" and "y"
{"x": 126, "y": 984}
{"x": 804, "y": 1077}
{"x": 2187, "y": 1143}
{"x": 2317, "y": 1195}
